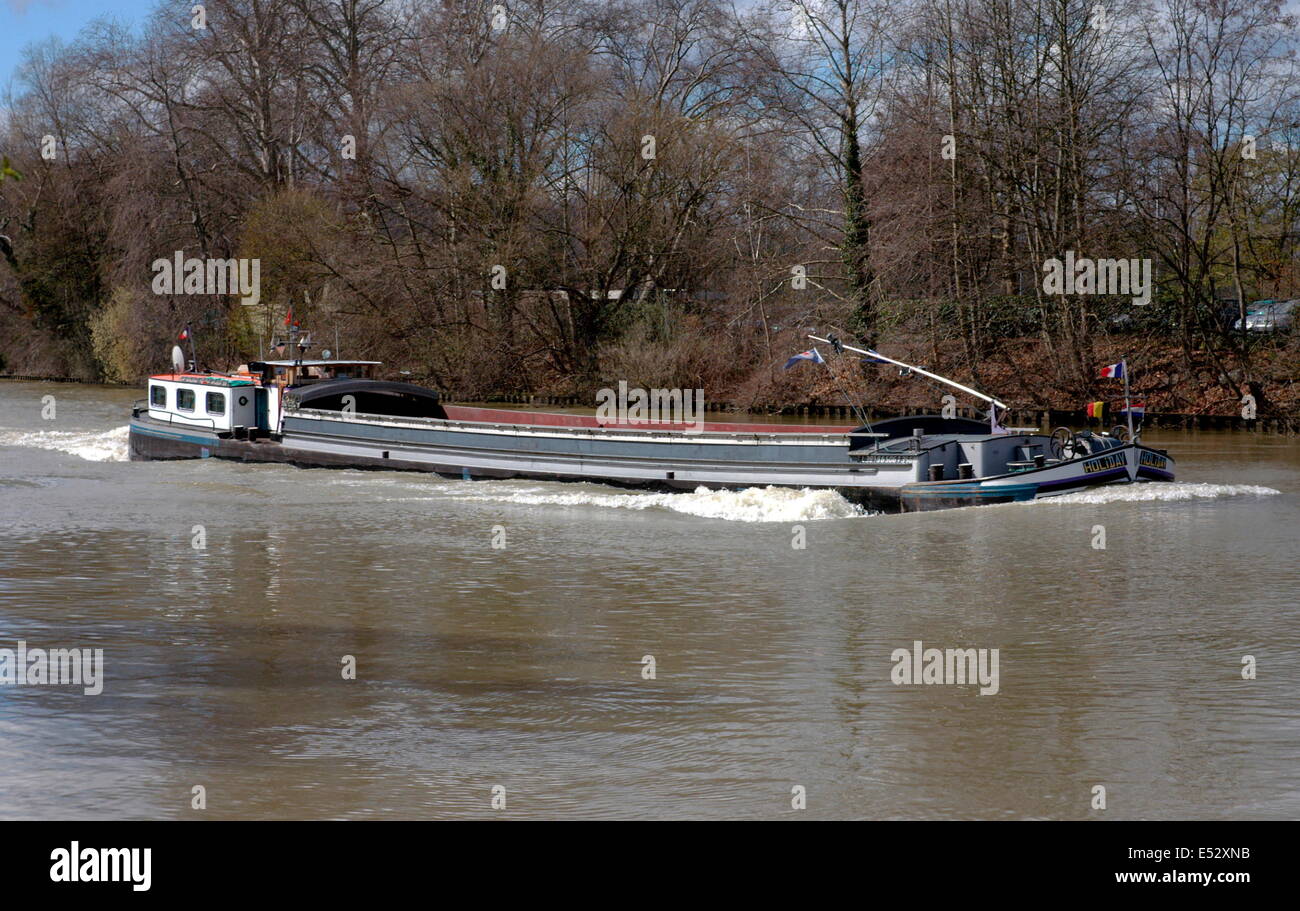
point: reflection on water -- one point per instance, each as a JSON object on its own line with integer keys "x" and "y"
{"x": 523, "y": 666}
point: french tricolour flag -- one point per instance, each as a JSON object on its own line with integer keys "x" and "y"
{"x": 812, "y": 354}
{"x": 1113, "y": 372}
{"x": 1137, "y": 409}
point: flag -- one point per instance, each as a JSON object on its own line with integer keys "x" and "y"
{"x": 185, "y": 334}
{"x": 872, "y": 359}
{"x": 812, "y": 354}
{"x": 1097, "y": 410}
{"x": 1112, "y": 371}
{"x": 1137, "y": 409}
{"x": 288, "y": 318}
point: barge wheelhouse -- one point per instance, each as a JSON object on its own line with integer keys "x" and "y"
{"x": 200, "y": 415}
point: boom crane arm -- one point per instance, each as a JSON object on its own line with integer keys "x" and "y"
{"x": 914, "y": 368}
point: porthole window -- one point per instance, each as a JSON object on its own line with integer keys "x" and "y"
{"x": 243, "y": 400}
{"x": 158, "y": 396}
{"x": 185, "y": 399}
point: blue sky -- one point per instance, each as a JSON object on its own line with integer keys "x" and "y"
{"x": 23, "y": 22}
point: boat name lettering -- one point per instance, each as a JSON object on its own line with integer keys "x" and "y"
{"x": 1151, "y": 460}
{"x": 1105, "y": 463}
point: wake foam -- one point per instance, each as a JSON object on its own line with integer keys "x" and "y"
{"x": 1174, "y": 490}
{"x": 753, "y": 504}
{"x": 102, "y": 446}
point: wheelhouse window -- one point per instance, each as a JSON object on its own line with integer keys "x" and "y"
{"x": 185, "y": 399}
{"x": 216, "y": 403}
{"x": 158, "y": 396}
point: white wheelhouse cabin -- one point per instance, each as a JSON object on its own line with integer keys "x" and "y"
{"x": 219, "y": 403}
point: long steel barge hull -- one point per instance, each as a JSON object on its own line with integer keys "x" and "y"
{"x": 328, "y": 442}
{"x": 719, "y": 461}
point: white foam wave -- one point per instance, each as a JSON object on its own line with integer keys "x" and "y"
{"x": 93, "y": 446}
{"x": 1177, "y": 490}
{"x": 753, "y": 504}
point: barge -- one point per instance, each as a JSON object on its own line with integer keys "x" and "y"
{"x": 334, "y": 413}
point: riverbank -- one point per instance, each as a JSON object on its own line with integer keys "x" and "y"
{"x": 1038, "y": 417}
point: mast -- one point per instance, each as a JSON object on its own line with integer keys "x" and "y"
{"x": 1128, "y": 406}
{"x": 194, "y": 358}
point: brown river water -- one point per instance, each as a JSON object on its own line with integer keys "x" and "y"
{"x": 521, "y": 667}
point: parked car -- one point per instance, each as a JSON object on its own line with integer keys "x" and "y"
{"x": 1269, "y": 316}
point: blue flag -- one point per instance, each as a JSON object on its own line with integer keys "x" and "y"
{"x": 812, "y": 354}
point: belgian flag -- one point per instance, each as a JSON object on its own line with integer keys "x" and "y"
{"x": 1097, "y": 410}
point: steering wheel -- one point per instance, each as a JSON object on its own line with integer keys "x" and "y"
{"x": 1062, "y": 442}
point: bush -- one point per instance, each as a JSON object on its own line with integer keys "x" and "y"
{"x": 115, "y": 341}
